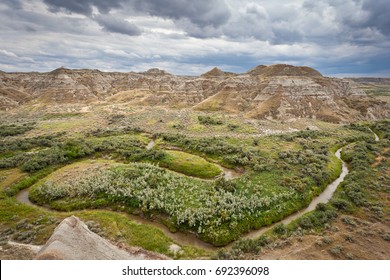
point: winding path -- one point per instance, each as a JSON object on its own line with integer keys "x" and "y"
{"x": 22, "y": 196}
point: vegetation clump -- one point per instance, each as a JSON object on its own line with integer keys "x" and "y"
{"x": 12, "y": 130}
{"x": 207, "y": 120}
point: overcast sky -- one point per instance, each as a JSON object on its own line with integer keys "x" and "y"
{"x": 337, "y": 37}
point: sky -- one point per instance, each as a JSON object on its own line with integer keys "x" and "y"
{"x": 339, "y": 38}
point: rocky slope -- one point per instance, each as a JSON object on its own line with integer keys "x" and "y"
{"x": 265, "y": 92}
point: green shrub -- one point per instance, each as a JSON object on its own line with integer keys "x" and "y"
{"x": 337, "y": 250}
{"x": 341, "y": 204}
{"x": 225, "y": 185}
{"x": 321, "y": 207}
{"x": 207, "y": 120}
{"x": 280, "y": 229}
{"x": 12, "y": 130}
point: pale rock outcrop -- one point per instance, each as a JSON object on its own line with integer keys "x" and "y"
{"x": 72, "y": 240}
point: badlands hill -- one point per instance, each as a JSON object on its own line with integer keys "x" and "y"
{"x": 265, "y": 92}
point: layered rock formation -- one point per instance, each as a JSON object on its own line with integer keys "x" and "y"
{"x": 271, "y": 92}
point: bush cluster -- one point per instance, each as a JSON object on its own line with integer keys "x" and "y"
{"x": 12, "y": 130}
{"x": 207, "y": 120}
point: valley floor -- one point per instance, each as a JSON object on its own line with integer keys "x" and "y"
{"x": 98, "y": 164}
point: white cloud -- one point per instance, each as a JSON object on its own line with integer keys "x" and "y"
{"x": 7, "y": 53}
{"x": 15, "y": 57}
{"x": 121, "y": 53}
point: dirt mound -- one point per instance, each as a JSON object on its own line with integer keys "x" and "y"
{"x": 216, "y": 72}
{"x": 72, "y": 240}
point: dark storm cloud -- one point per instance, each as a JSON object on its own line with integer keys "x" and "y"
{"x": 82, "y": 7}
{"x": 21, "y": 20}
{"x": 345, "y": 21}
{"x": 284, "y": 35}
{"x": 379, "y": 15}
{"x": 109, "y": 23}
{"x": 364, "y": 13}
{"x": 357, "y": 21}
{"x": 14, "y": 4}
{"x": 117, "y": 25}
{"x": 277, "y": 22}
{"x": 201, "y": 12}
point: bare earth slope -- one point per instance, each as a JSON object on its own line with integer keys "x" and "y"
{"x": 265, "y": 92}
{"x": 72, "y": 240}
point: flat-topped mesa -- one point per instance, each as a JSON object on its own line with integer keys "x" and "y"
{"x": 371, "y": 80}
{"x": 284, "y": 70}
{"x": 63, "y": 70}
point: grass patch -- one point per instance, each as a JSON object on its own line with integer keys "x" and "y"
{"x": 50, "y": 116}
{"x": 75, "y": 125}
{"x": 28, "y": 181}
{"x": 190, "y": 165}
{"x": 378, "y": 91}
